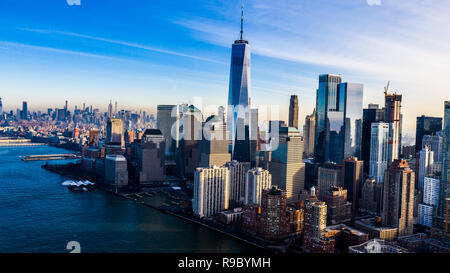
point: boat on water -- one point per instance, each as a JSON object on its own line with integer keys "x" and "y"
{"x": 80, "y": 185}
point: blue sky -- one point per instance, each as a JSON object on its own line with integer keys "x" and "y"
{"x": 144, "y": 53}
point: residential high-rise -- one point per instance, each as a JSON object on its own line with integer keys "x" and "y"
{"x": 428, "y": 207}
{"x": 273, "y": 221}
{"x": 425, "y": 165}
{"x": 114, "y": 132}
{"x": 338, "y": 119}
{"x": 379, "y": 146}
{"x": 256, "y": 181}
{"x": 309, "y": 131}
{"x": 213, "y": 147}
{"x": 314, "y": 228}
{"x": 426, "y": 126}
{"x": 398, "y": 197}
{"x": 211, "y": 191}
{"x": 338, "y": 208}
{"x": 293, "y": 112}
{"x": 329, "y": 175}
{"x": 392, "y": 115}
{"x": 239, "y": 91}
{"x": 25, "y": 110}
{"x": 444, "y": 190}
{"x": 238, "y": 174}
{"x": 287, "y": 166}
{"x": 370, "y": 200}
{"x": 353, "y": 176}
{"x": 371, "y": 114}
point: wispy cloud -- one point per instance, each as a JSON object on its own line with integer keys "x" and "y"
{"x": 122, "y": 43}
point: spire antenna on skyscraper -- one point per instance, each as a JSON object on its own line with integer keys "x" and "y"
{"x": 242, "y": 21}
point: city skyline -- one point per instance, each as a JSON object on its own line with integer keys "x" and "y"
{"x": 181, "y": 51}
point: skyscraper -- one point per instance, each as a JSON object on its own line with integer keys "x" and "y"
{"x": 309, "y": 131}
{"x": 398, "y": 197}
{"x": 114, "y": 131}
{"x": 430, "y": 201}
{"x": 425, "y": 165}
{"x": 273, "y": 220}
{"x": 287, "y": 166}
{"x": 338, "y": 119}
{"x": 435, "y": 143}
{"x": 444, "y": 188}
{"x": 379, "y": 146}
{"x": 211, "y": 191}
{"x": 426, "y": 126}
{"x": 150, "y": 158}
{"x": 25, "y": 110}
{"x": 239, "y": 91}
{"x": 110, "y": 109}
{"x": 1, "y": 108}
{"x": 329, "y": 175}
{"x": 353, "y": 175}
{"x": 166, "y": 116}
{"x": 293, "y": 112}
{"x": 213, "y": 148}
{"x": 238, "y": 174}
{"x": 371, "y": 114}
{"x": 257, "y": 180}
{"x": 327, "y": 100}
{"x": 392, "y": 115}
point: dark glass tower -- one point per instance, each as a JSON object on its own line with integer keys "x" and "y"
{"x": 338, "y": 119}
{"x": 372, "y": 114}
{"x": 444, "y": 186}
{"x": 426, "y": 126}
{"x": 239, "y": 93}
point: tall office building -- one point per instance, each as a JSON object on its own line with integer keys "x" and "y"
{"x": 435, "y": 142}
{"x": 353, "y": 175}
{"x": 309, "y": 131}
{"x": 166, "y": 116}
{"x": 187, "y": 152}
{"x": 287, "y": 166}
{"x": 151, "y": 158}
{"x": 338, "y": 119}
{"x": 425, "y": 165}
{"x": 293, "y": 112}
{"x": 110, "y": 109}
{"x": 426, "y": 126}
{"x": 392, "y": 115}
{"x": 371, "y": 114}
{"x": 211, "y": 191}
{"x": 116, "y": 174}
{"x": 1, "y": 109}
{"x": 25, "y": 110}
{"x": 273, "y": 221}
{"x": 238, "y": 174}
{"x": 444, "y": 188}
{"x": 398, "y": 197}
{"x": 370, "y": 196}
{"x": 428, "y": 207}
{"x": 239, "y": 92}
{"x": 213, "y": 147}
{"x": 114, "y": 131}
{"x": 379, "y": 146}
{"x": 257, "y": 180}
{"x": 329, "y": 175}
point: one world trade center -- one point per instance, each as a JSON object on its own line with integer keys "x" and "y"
{"x": 239, "y": 98}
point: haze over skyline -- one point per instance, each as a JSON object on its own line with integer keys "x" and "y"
{"x": 94, "y": 52}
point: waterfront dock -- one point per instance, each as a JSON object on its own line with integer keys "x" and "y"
{"x": 50, "y": 157}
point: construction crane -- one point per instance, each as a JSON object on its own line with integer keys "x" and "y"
{"x": 386, "y": 88}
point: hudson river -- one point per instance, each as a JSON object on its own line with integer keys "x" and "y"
{"x": 38, "y": 214}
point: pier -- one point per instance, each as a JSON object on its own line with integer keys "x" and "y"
{"x": 50, "y": 157}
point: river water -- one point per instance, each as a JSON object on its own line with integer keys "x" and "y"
{"x": 38, "y": 214}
